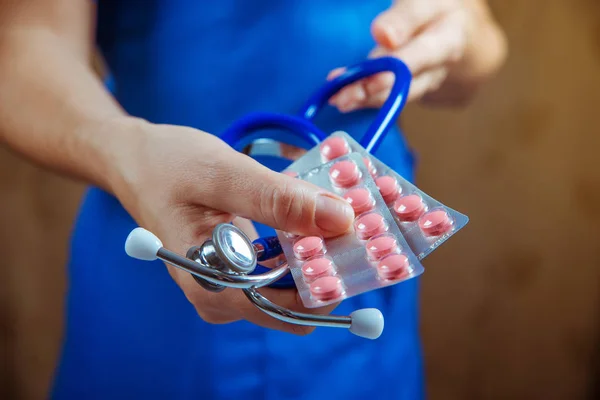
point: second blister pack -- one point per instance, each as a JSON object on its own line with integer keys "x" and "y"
{"x": 371, "y": 255}
{"x": 424, "y": 222}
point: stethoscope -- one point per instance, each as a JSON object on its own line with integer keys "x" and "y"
{"x": 229, "y": 259}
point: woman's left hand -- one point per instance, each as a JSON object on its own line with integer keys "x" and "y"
{"x": 445, "y": 43}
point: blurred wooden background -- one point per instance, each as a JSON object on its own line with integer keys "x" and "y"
{"x": 511, "y": 307}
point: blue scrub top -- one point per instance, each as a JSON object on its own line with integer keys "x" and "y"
{"x": 130, "y": 332}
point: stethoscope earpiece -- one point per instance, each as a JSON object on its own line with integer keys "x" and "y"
{"x": 143, "y": 245}
{"x": 227, "y": 259}
{"x": 367, "y": 323}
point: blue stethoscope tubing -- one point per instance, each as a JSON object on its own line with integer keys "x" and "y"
{"x": 389, "y": 112}
{"x": 241, "y": 132}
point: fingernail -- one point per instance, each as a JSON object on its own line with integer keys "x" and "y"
{"x": 333, "y": 214}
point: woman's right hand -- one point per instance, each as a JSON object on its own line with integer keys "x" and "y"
{"x": 180, "y": 182}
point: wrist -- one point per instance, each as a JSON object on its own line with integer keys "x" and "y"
{"x": 113, "y": 144}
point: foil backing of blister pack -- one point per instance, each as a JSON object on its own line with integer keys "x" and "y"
{"x": 424, "y": 222}
{"x": 371, "y": 255}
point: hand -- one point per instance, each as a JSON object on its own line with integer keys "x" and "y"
{"x": 180, "y": 183}
{"x": 449, "y": 46}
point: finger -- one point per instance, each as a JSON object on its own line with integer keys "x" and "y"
{"x": 349, "y": 97}
{"x": 427, "y": 82}
{"x": 376, "y": 100}
{"x": 346, "y": 100}
{"x": 373, "y": 88}
{"x": 237, "y": 184}
{"x": 424, "y": 83}
{"x": 395, "y": 26}
{"x": 440, "y": 44}
{"x": 334, "y": 73}
{"x": 378, "y": 83}
{"x": 380, "y": 89}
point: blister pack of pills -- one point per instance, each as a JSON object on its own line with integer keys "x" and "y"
{"x": 371, "y": 255}
{"x": 424, "y": 222}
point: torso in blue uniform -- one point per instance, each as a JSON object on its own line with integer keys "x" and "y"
{"x": 130, "y": 331}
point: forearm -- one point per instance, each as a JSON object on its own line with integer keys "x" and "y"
{"x": 53, "y": 107}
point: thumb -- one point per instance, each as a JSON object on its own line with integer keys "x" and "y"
{"x": 395, "y": 26}
{"x": 241, "y": 186}
{"x": 390, "y": 29}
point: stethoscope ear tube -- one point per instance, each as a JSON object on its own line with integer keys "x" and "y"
{"x": 238, "y": 135}
{"x": 143, "y": 245}
{"x": 367, "y": 322}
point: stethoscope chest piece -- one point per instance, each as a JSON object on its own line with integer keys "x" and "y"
{"x": 229, "y": 250}
{"x": 231, "y": 244}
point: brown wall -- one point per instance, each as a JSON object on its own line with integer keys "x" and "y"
{"x": 510, "y": 305}
{"x": 35, "y": 217}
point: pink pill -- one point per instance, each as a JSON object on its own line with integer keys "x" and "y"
{"x": 344, "y": 173}
{"x": 394, "y": 266}
{"x": 409, "y": 208}
{"x": 369, "y": 225}
{"x": 370, "y": 166}
{"x": 291, "y": 173}
{"x": 308, "y": 247}
{"x": 435, "y": 223}
{"x": 326, "y": 288}
{"x": 381, "y": 246}
{"x": 360, "y": 199}
{"x": 388, "y": 187}
{"x": 317, "y": 268}
{"x": 334, "y": 147}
